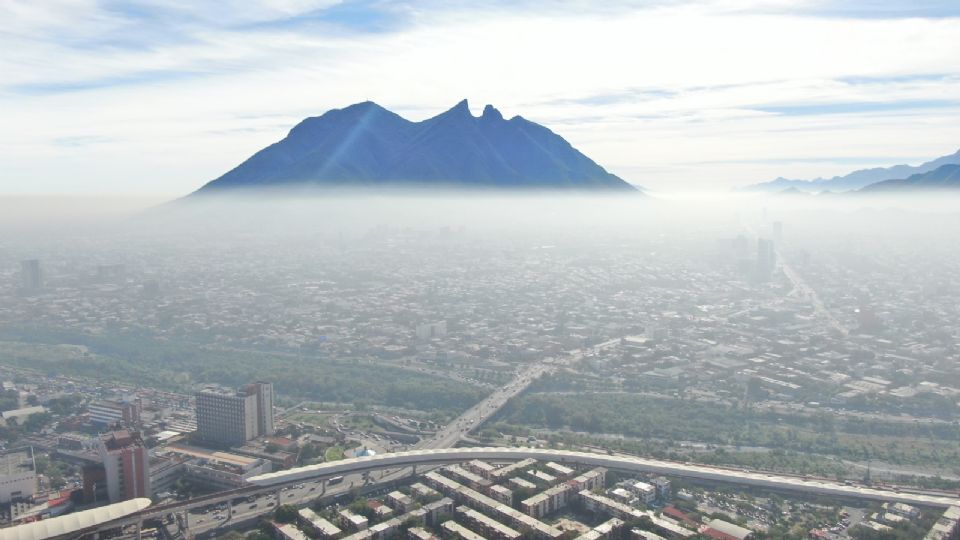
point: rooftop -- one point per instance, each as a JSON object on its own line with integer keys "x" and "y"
{"x": 17, "y": 461}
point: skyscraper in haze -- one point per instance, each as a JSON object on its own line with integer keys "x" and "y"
{"x": 778, "y": 232}
{"x": 31, "y": 275}
{"x": 766, "y": 258}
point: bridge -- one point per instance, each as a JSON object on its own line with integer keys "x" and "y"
{"x": 273, "y": 483}
{"x": 442, "y": 456}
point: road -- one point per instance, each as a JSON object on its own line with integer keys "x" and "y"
{"x": 475, "y": 416}
{"x": 201, "y": 522}
{"x": 807, "y": 292}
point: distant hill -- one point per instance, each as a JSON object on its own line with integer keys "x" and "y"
{"x": 944, "y": 177}
{"x": 365, "y": 145}
{"x": 855, "y": 180}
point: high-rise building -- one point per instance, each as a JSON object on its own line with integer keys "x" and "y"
{"x": 766, "y": 258}
{"x": 225, "y": 417}
{"x": 264, "y": 393}
{"x": 31, "y": 275}
{"x": 126, "y": 464}
{"x": 229, "y": 418}
{"x": 431, "y": 330}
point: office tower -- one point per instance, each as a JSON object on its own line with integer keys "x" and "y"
{"x": 766, "y": 258}
{"x": 264, "y": 393}
{"x": 778, "y": 232}
{"x": 31, "y": 276}
{"x": 225, "y": 417}
{"x": 431, "y": 330}
{"x": 126, "y": 464}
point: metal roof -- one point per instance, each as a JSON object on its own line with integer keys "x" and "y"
{"x": 72, "y": 523}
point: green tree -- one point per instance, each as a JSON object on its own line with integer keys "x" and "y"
{"x": 285, "y": 513}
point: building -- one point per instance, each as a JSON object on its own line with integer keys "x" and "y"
{"x": 215, "y": 469}
{"x": 31, "y": 277}
{"x": 94, "y": 484}
{"x": 400, "y": 502}
{"x": 947, "y": 527}
{"x": 233, "y": 418}
{"x": 489, "y": 527}
{"x": 18, "y": 475}
{"x": 418, "y": 533}
{"x": 663, "y": 488}
{"x": 482, "y": 468}
{"x": 354, "y": 522}
{"x": 226, "y": 418}
{"x": 559, "y": 470}
{"x": 606, "y": 505}
{"x": 317, "y": 525}
{"x": 644, "y": 491}
{"x": 19, "y": 416}
{"x": 502, "y": 494}
{"x": 729, "y": 529}
{"x": 264, "y": 393}
{"x": 454, "y": 530}
{"x": 431, "y": 330}
{"x": 557, "y": 497}
{"x": 289, "y": 531}
{"x": 111, "y": 413}
{"x": 766, "y": 258}
{"x": 424, "y": 493}
{"x": 126, "y": 464}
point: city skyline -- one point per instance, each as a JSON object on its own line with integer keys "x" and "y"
{"x": 154, "y": 98}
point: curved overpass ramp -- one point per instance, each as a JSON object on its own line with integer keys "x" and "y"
{"x": 618, "y": 462}
{"x": 74, "y": 525}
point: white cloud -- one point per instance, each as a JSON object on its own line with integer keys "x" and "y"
{"x": 688, "y": 83}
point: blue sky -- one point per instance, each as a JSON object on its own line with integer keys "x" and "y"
{"x": 157, "y": 97}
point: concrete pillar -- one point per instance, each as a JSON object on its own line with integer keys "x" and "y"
{"x": 414, "y": 468}
{"x": 139, "y": 529}
{"x": 323, "y": 486}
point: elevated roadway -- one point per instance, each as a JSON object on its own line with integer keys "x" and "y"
{"x": 272, "y": 485}
{"x": 428, "y": 457}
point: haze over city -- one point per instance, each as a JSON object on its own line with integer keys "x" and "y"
{"x": 445, "y": 270}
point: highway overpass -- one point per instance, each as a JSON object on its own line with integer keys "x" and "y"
{"x": 273, "y": 483}
{"x": 619, "y": 462}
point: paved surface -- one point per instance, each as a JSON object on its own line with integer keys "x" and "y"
{"x": 610, "y": 461}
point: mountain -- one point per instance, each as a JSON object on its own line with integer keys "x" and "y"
{"x": 944, "y": 177}
{"x": 857, "y": 179}
{"x": 365, "y": 145}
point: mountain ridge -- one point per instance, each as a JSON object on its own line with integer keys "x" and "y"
{"x": 367, "y": 145}
{"x": 855, "y": 180}
{"x": 943, "y": 177}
